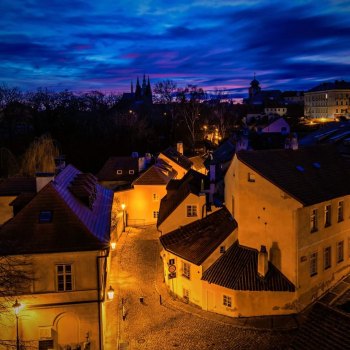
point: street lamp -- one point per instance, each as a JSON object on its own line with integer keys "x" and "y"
{"x": 16, "y": 307}
{"x": 123, "y": 208}
{"x": 110, "y": 293}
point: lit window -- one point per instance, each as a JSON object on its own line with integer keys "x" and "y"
{"x": 340, "y": 251}
{"x": 119, "y": 172}
{"x": 191, "y": 211}
{"x": 186, "y": 270}
{"x": 313, "y": 264}
{"x": 313, "y": 220}
{"x": 227, "y": 301}
{"x": 327, "y": 215}
{"x": 155, "y": 214}
{"x": 251, "y": 177}
{"x": 64, "y": 278}
{"x": 45, "y": 216}
{"x": 131, "y": 172}
{"x": 327, "y": 258}
{"x": 340, "y": 211}
{"x": 155, "y": 197}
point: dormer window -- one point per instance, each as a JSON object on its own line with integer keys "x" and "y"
{"x": 45, "y": 216}
{"x": 251, "y": 177}
{"x": 131, "y": 172}
{"x": 119, "y": 172}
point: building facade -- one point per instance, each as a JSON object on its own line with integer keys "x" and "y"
{"x": 328, "y": 100}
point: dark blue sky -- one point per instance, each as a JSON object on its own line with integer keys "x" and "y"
{"x": 103, "y": 44}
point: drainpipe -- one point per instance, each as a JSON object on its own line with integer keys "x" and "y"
{"x": 99, "y": 300}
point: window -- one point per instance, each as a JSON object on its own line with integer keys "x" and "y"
{"x": 191, "y": 211}
{"x": 119, "y": 172}
{"x": 227, "y": 301}
{"x": 45, "y": 216}
{"x": 313, "y": 264}
{"x": 251, "y": 177}
{"x": 131, "y": 172}
{"x": 155, "y": 214}
{"x": 186, "y": 270}
{"x": 314, "y": 219}
{"x": 222, "y": 249}
{"x": 327, "y": 258}
{"x": 64, "y": 278}
{"x": 340, "y": 251}
{"x": 327, "y": 215}
{"x": 340, "y": 211}
{"x": 155, "y": 197}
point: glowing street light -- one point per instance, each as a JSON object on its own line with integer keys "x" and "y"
{"x": 123, "y": 208}
{"x": 113, "y": 245}
{"x": 16, "y": 307}
{"x": 110, "y": 293}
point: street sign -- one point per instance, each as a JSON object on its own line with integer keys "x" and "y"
{"x": 171, "y": 275}
{"x": 172, "y": 268}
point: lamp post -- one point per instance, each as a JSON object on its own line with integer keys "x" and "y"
{"x": 110, "y": 293}
{"x": 123, "y": 208}
{"x": 16, "y": 307}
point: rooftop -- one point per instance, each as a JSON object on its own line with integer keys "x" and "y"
{"x": 336, "y": 85}
{"x": 310, "y": 175}
{"x": 157, "y": 174}
{"x": 237, "y": 269}
{"x": 57, "y": 220}
{"x": 16, "y": 185}
{"x": 109, "y": 169}
{"x": 178, "y": 190}
{"x": 177, "y": 157}
{"x": 196, "y": 241}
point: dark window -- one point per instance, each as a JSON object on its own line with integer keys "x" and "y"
{"x": 64, "y": 278}
{"x": 45, "y": 216}
{"x": 327, "y": 258}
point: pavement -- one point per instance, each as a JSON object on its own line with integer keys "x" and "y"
{"x": 137, "y": 272}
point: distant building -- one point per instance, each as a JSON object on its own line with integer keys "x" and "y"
{"x": 328, "y": 100}
{"x": 142, "y": 93}
{"x": 293, "y": 97}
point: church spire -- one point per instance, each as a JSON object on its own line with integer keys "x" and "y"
{"x": 132, "y": 87}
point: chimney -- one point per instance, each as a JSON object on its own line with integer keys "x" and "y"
{"x": 180, "y": 147}
{"x": 42, "y": 179}
{"x": 263, "y": 262}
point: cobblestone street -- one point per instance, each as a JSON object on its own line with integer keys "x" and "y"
{"x": 137, "y": 272}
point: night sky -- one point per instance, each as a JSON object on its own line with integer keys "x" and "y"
{"x": 103, "y": 45}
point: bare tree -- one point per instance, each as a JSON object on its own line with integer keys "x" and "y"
{"x": 221, "y": 111}
{"x": 9, "y": 95}
{"x": 164, "y": 91}
{"x": 189, "y": 106}
{"x": 40, "y": 156}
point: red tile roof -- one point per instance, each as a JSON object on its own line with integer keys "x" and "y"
{"x": 196, "y": 241}
{"x": 74, "y": 225}
{"x": 237, "y": 269}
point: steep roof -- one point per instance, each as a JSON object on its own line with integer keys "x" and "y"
{"x": 310, "y": 175}
{"x": 155, "y": 175}
{"x": 237, "y": 269}
{"x": 337, "y": 85}
{"x": 196, "y": 241}
{"x": 70, "y": 223}
{"x": 324, "y": 328}
{"x": 224, "y": 153}
{"x": 109, "y": 169}
{"x": 16, "y": 185}
{"x": 178, "y": 190}
{"x": 177, "y": 158}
